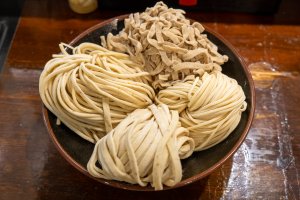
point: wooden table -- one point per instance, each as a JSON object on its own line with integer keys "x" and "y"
{"x": 265, "y": 167}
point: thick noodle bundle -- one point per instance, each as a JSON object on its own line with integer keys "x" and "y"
{"x": 210, "y": 107}
{"x": 146, "y": 147}
{"x": 93, "y": 89}
{"x": 169, "y": 45}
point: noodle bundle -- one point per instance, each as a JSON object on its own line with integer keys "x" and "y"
{"x": 93, "y": 89}
{"x": 146, "y": 147}
{"x": 210, "y": 107}
{"x": 168, "y": 44}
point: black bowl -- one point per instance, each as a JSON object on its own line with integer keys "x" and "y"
{"x": 78, "y": 151}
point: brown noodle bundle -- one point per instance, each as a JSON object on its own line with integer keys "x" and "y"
{"x": 168, "y": 44}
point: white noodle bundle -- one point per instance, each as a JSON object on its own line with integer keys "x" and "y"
{"x": 93, "y": 89}
{"x": 146, "y": 147}
{"x": 169, "y": 45}
{"x": 210, "y": 107}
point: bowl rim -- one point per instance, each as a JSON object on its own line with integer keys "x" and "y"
{"x": 134, "y": 187}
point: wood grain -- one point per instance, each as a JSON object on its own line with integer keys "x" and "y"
{"x": 265, "y": 167}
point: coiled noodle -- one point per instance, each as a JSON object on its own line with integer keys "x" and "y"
{"x": 93, "y": 89}
{"x": 210, "y": 107}
{"x": 146, "y": 147}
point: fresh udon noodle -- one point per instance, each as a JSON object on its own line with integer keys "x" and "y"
{"x": 92, "y": 89}
{"x": 168, "y": 44}
{"x": 105, "y": 95}
{"x": 146, "y": 147}
{"x": 210, "y": 107}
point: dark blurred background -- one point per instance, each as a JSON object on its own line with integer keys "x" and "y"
{"x": 220, "y": 11}
{"x": 248, "y": 6}
{"x": 9, "y": 14}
